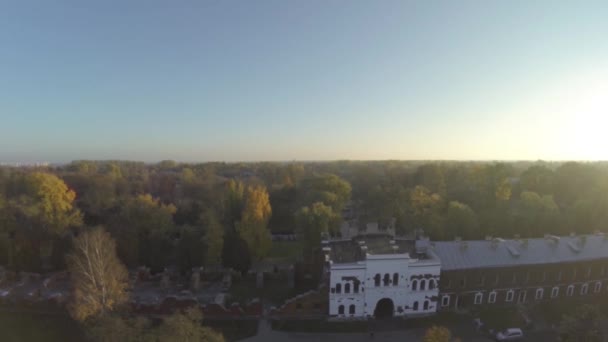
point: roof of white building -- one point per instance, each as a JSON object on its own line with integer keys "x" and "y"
{"x": 356, "y": 249}
{"x": 455, "y": 255}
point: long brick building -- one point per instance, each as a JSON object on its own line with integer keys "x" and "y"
{"x": 380, "y": 275}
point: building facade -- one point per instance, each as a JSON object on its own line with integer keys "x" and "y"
{"x": 522, "y": 271}
{"x": 381, "y": 276}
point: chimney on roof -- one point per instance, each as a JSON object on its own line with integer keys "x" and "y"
{"x": 552, "y": 238}
{"x": 514, "y": 252}
{"x": 422, "y": 245}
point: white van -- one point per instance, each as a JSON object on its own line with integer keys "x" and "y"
{"x": 512, "y": 334}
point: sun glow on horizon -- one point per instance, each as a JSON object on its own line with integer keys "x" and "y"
{"x": 576, "y": 118}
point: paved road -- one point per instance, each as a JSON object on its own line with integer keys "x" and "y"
{"x": 266, "y": 334}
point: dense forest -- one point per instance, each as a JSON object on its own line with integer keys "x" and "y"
{"x": 216, "y": 214}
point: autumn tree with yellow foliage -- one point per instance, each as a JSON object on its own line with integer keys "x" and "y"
{"x": 99, "y": 279}
{"x": 438, "y": 334}
{"x": 253, "y": 227}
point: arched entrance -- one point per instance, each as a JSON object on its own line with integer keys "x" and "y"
{"x": 384, "y": 308}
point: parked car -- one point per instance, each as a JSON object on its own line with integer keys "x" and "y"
{"x": 512, "y": 334}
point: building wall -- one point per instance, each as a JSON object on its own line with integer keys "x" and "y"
{"x": 386, "y": 269}
{"x": 343, "y": 291}
{"x": 463, "y": 289}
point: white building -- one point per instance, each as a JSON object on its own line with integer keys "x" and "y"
{"x": 376, "y": 275}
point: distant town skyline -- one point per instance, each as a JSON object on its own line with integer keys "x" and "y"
{"x": 311, "y": 80}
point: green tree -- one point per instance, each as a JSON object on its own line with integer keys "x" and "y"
{"x": 253, "y": 227}
{"x": 114, "y": 327}
{"x": 537, "y": 178}
{"x": 425, "y": 211}
{"x": 585, "y": 324}
{"x": 187, "y": 327}
{"x": 437, "y": 334}
{"x": 48, "y": 203}
{"x": 214, "y": 238}
{"x": 462, "y": 221}
{"x": 432, "y": 177}
{"x": 99, "y": 279}
{"x": 143, "y": 229}
{"x": 314, "y": 221}
{"x": 536, "y": 215}
{"x": 235, "y": 253}
{"x": 329, "y": 189}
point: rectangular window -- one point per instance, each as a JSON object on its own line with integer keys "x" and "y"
{"x": 574, "y": 274}
{"x": 527, "y": 278}
{"x": 554, "y": 292}
{"x": 588, "y": 275}
{"x": 492, "y": 297}
{"x": 510, "y": 295}
{"x": 539, "y": 294}
{"x": 445, "y": 301}
{"x": 559, "y": 276}
{"x": 514, "y": 280}
{"x": 497, "y": 279}
{"x": 463, "y": 282}
{"x": 481, "y": 280}
{"x": 598, "y": 287}
{"x": 478, "y": 298}
{"x": 448, "y": 283}
{"x": 544, "y": 277}
{"x": 570, "y": 291}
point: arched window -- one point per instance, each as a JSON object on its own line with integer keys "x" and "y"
{"x": 377, "y": 280}
{"x": 338, "y": 288}
{"x": 539, "y": 294}
{"x": 431, "y": 284}
{"x": 492, "y": 297}
{"x": 414, "y": 285}
{"x": 570, "y": 291}
{"x": 347, "y": 288}
{"x": 395, "y": 279}
{"x": 387, "y": 279}
{"x": 356, "y": 287}
{"x": 478, "y": 298}
{"x": 415, "y": 306}
{"x": 341, "y": 310}
{"x": 351, "y": 309}
{"x": 510, "y": 295}
{"x": 426, "y": 305}
{"x": 422, "y": 284}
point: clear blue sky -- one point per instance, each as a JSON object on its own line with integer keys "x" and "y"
{"x": 306, "y": 80}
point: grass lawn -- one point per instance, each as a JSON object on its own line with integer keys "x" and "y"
{"x": 275, "y": 290}
{"x": 28, "y": 327}
{"x": 501, "y": 318}
{"x": 318, "y": 325}
{"x": 285, "y": 251}
{"x": 234, "y": 330}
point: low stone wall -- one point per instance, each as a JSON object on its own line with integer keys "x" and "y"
{"x": 170, "y": 305}
{"x": 308, "y": 304}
